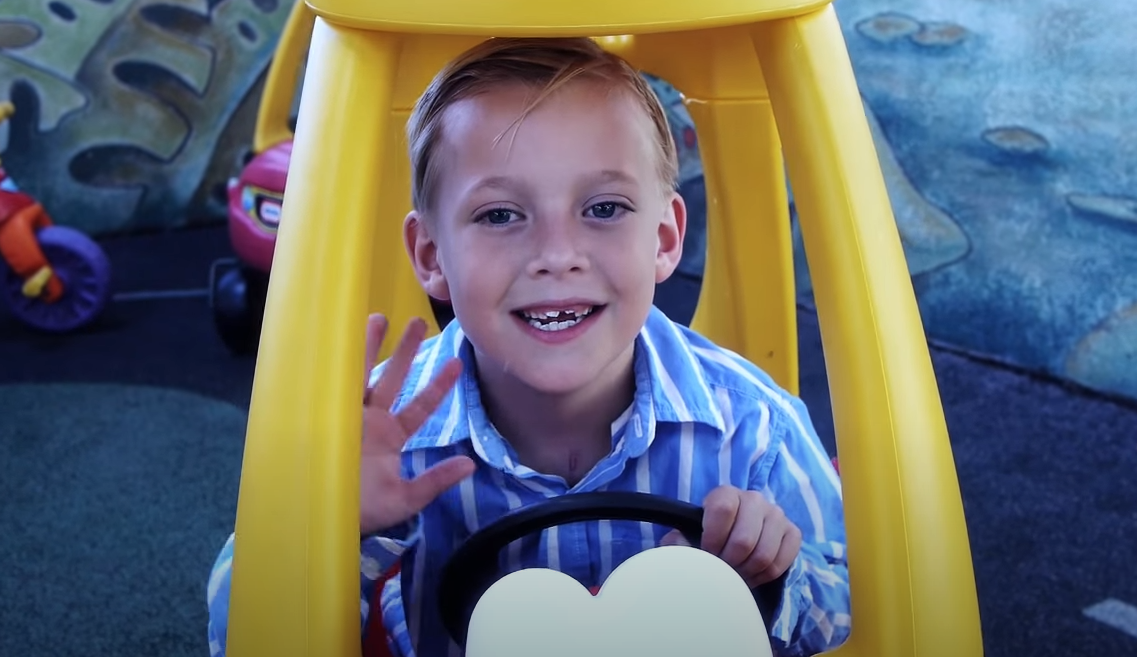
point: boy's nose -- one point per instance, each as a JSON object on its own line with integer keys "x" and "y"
{"x": 560, "y": 249}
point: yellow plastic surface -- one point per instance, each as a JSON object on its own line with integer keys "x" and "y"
{"x": 556, "y": 18}
{"x": 339, "y": 254}
{"x": 913, "y": 587}
{"x": 295, "y": 586}
{"x": 280, "y": 84}
{"x": 748, "y": 298}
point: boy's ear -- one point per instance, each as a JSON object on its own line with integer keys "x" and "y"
{"x": 671, "y": 232}
{"x": 423, "y": 251}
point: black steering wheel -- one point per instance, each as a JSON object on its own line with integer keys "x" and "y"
{"x": 473, "y": 567}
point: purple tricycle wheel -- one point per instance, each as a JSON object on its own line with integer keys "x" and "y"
{"x": 86, "y": 275}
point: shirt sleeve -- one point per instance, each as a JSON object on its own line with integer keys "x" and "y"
{"x": 798, "y": 476}
{"x": 378, "y": 554}
{"x": 217, "y": 599}
{"x": 395, "y": 619}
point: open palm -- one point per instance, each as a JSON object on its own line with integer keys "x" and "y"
{"x": 386, "y": 497}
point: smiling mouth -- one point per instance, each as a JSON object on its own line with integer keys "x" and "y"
{"x": 557, "y": 320}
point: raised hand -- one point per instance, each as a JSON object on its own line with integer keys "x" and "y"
{"x": 386, "y": 498}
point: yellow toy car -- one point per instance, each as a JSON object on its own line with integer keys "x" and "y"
{"x": 772, "y": 91}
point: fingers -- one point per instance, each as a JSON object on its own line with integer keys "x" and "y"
{"x": 750, "y": 527}
{"x": 720, "y": 508}
{"x": 750, "y": 534}
{"x": 376, "y": 331}
{"x": 417, "y": 410}
{"x": 774, "y": 550}
{"x": 437, "y": 479}
{"x": 674, "y": 537}
{"x": 784, "y": 546}
{"x": 391, "y": 380}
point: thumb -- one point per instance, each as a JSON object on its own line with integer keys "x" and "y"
{"x": 674, "y": 537}
{"x": 437, "y": 479}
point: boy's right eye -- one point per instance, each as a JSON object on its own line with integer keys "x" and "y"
{"x": 497, "y": 216}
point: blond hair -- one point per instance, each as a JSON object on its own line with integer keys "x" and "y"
{"x": 546, "y": 64}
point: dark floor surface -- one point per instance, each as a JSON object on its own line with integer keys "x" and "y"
{"x": 106, "y": 542}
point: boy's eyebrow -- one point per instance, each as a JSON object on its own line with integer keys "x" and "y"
{"x": 509, "y": 183}
{"x": 614, "y": 175}
{"x": 495, "y": 182}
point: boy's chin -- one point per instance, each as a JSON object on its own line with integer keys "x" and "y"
{"x": 567, "y": 375}
{"x": 556, "y": 381}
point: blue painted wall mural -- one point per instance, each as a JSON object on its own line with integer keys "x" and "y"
{"x": 1007, "y": 135}
{"x": 1014, "y": 124}
{"x": 131, "y": 114}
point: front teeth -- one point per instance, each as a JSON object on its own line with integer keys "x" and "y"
{"x": 548, "y": 321}
{"x": 553, "y": 314}
{"x": 555, "y": 326}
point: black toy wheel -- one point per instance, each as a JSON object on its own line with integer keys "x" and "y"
{"x": 237, "y": 297}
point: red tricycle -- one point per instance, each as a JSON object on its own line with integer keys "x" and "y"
{"x": 55, "y": 279}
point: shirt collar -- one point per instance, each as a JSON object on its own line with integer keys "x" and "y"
{"x": 670, "y": 388}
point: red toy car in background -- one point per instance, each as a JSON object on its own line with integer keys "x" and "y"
{"x": 255, "y": 200}
{"x": 239, "y": 289}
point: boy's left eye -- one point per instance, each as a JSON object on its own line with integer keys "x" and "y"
{"x": 605, "y": 210}
{"x": 497, "y": 216}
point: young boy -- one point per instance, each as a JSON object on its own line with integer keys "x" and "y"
{"x": 545, "y": 214}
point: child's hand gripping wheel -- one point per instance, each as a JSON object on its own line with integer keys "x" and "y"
{"x": 709, "y": 588}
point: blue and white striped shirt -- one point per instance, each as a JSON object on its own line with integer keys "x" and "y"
{"x": 702, "y": 417}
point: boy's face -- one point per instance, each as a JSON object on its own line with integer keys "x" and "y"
{"x": 548, "y": 237}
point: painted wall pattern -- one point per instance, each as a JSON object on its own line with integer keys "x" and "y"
{"x": 1017, "y": 122}
{"x": 1007, "y": 133}
{"x": 131, "y": 114}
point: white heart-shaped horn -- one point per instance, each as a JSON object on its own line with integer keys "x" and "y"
{"x": 673, "y": 601}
